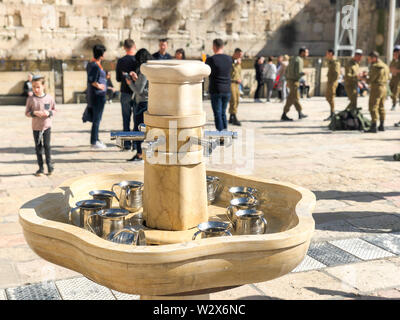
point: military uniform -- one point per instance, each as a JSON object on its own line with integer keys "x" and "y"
{"x": 294, "y": 72}
{"x": 395, "y": 81}
{"x": 378, "y": 78}
{"x": 351, "y": 82}
{"x": 333, "y": 77}
{"x": 235, "y": 92}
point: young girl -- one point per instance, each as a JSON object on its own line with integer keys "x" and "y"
{"x": 41, "y": 108}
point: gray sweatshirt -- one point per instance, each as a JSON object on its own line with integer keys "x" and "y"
{"x": 140, "y": 88}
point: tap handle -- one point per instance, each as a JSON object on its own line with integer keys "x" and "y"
{"x": 142, "y": 127}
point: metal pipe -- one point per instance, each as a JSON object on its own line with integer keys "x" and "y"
{"x": 128, "y": 136}
{"x": 220, "y": 134}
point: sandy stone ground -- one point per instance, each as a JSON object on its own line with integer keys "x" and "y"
{"x": 352, "y": 174}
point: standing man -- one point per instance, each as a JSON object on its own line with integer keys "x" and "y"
{"x": 351, "y": 79}
{"x": 259, "y": 66}
{"x": 236, "y": 80}
{"x": 333, "y": 78}
{"x": 220, "y": 83}
{"x": 270, "y": 77}
{"x": 395, "y": 80}
{"x": 162, "y": 53}
{"x": 127, "y": 64}
{"x": 378, "y": 79}
{"x": 294, "y": 72}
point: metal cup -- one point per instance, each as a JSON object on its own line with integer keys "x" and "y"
{"x": 213, "y": 186}
{"x": 243, "y": 192}
{"x": 130, "y": 236}
{"x": 108, "y": 221}
{"x": 212, "y": 229}
{"x": 249, "y": 222}
{"x": 78, "y": 216}
{"x": 104, "y": 195}
{"x": 240, "y": 204}
{"x": 130, "y": 196}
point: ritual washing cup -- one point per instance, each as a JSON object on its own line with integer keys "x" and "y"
{"x": 108, "y": 221}
{"x": 250, "y": 222}
{"x": 213, "y": 187}
{"x": 79, "y": 215}
{"x": 212, "y": 229}
{"x": 104, "y": 195}
{"x": 240, "y": 204}
{"x": 129, "y": 235}
{"x": 243, "y": 192}
{"x": 130, "y": 196}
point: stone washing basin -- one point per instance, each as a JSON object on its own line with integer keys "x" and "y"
{"x": 177, "y": 265}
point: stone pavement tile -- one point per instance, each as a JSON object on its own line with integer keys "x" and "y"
{"x": 240, "y": 293}
{"x": 83, "y": 289}
{"x": 18, "y": 254}
{"x": 3, "y": 295}
{"x": 368, "y": 276}
{"x": 37, "y": 291}
{"x": 7, "y": 208}
{"x": 9, "y": 218}
{"x": 313, "y": 285}
{"x": 361, "y": 249}
{"x": 40, "y": 270}
{"x": 379, "y": 224}
{"x": 386, "y": 241}
{"x": 389, "y": 294}
{"x": 8, "y": 274}
{"x": 330, "y": 255}
{"x": 329, "y": 205}
{"x": 12, "y": 240}
{"x": 10, "y": 228}
{"x": 335, "y": 230}
{"x": 309, "y": 264}
{"x": 344, "y": 213}
{"x": 124, "y": 296}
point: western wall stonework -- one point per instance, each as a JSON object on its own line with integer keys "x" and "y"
{"x": 64, "y": 29}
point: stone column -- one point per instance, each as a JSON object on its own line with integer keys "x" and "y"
{"x": 175, "y": 195}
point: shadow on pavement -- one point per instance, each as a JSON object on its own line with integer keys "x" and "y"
{"x": 328, "y": 221}
{"x": 344, "y": 294}
{"x": 354, "y": 195}
{"x": 299, "y": 133}
{"x": 55, "y": 150}
{"x": 383, "y": 158}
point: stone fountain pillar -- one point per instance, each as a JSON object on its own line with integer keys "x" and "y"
{"x": 175, "y": 196}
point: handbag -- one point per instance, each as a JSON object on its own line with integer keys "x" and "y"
{"x": 87, "y": 114}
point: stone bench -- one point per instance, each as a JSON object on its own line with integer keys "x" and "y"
{"x": 80, "y": 97}
{"x": 18, "y": 100}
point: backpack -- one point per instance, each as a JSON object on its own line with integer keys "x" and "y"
{"x": 349, "y": 120}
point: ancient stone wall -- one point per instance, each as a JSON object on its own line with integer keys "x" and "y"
{"x": 62, "y": 29}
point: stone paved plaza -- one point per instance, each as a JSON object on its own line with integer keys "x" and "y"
{"x": 355, "y": 250}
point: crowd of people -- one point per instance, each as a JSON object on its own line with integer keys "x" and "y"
{"x": 287, "y": 78}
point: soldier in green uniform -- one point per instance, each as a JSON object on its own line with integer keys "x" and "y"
{"x": 293, "y": 74}
{"x": 333, "y": 77}
{"x": 395, "y": 80}
{"x": 236, "y": 79}
{"x": 351, "y": 79}
{"x": 378, "y": 79}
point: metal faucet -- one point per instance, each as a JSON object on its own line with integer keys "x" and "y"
{"x": 211, "y": 140}
{"x": 208, "y": 145}
{"x": 122, "y": 136}
{"x": 150, "y": 146}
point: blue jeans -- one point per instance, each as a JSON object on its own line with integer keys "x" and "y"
{"x": 127, "y": 106}
{"x": 98, "y": 103}
{"x": 219, "y": 103}
{"x": 139, "y": 109}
